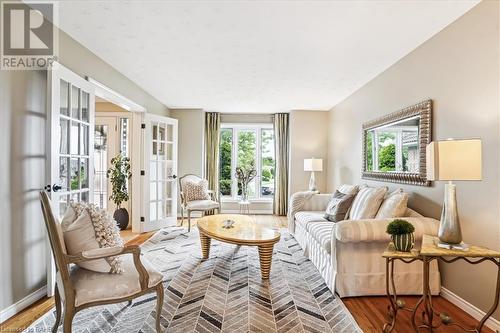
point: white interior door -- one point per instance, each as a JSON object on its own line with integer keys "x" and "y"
{"x": 71, "y": 106}
{"x": 159, "y": 180}
{"x": 105, "y": 148}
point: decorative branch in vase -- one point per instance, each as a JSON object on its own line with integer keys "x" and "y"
{"x": 119, "y": 174}
{"x": 244, "y": 175}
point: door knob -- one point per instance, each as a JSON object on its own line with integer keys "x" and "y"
{"x": 56, "y": 188}
{"x": 174, "y": 176}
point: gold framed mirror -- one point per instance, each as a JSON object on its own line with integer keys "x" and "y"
{"x": 394, "y": 145}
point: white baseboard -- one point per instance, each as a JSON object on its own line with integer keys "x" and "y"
{"x": 475, "y": 312}
{"x": 22, "y": 304}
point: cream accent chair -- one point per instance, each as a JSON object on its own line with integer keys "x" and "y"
{"x": 78, "y": 288}
{"x": 195, "y": 205}
{"x": 348, "y": 254}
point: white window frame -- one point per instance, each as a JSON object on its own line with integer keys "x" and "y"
{"x": 257, "y": 128}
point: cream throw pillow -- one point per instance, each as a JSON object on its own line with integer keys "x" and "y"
{"x": 394, "y": 205}
{"x": 367, "y": 202}
{"x": 196, "y": 190}
{"x": 87, "y": 227}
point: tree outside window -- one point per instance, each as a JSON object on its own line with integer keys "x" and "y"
{"x": 247, "y": 147}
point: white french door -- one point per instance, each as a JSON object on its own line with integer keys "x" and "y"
{"x": 71, "y": 106}
{"x": 105, "y": 148}
{"x": 159, "y": 181}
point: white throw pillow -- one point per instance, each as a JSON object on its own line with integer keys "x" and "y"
{"x": 367, "y": 203}
{"x": 196, "y": 190}
{"x": 87, "y": 227}
{"x": 394, "y": 205}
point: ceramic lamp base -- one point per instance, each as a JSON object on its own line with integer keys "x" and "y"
{"x": 449, "y": 228}
{"x": 312, "y": 183}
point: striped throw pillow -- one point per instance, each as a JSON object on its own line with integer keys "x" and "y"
{"x": 367, "y": 202}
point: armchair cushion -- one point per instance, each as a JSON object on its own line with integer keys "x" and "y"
{"x": 370, "y": 230}
{"x": 196, "y": 190}
{"x": 87, "y": 228}
{"x": 202, "y": 205}
{"x": 92, "y": 286}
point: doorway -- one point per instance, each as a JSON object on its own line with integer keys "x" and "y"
{"x": 112, "y": 137}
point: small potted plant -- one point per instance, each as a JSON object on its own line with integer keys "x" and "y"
{"x": 402, "y": 236}
{"x": 119, "y": 174}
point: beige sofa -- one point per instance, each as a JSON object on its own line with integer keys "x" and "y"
{"x": 348, "y": 254}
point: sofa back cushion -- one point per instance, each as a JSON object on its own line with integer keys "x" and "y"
{"x": 367, "y": 202}
{"x": 394, "y": 205}
{"x": 338, "y": 206}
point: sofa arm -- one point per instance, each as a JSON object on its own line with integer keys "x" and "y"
{"x": 371, "y": 230}
{"x": 307, "y": 200}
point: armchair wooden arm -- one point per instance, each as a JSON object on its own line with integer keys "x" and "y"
{"x": 103, "y": 253}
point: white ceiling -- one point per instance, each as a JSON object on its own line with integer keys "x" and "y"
{"x": 254, "y": 56}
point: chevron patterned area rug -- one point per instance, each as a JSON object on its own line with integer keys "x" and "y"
{"x": 222, "y": 294}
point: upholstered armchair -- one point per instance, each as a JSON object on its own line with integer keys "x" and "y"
{"x": 78, "y": 288}
{"x": 188, "y": 205}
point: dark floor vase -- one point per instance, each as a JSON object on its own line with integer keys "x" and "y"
{"x": 403, "y": 242}
{"x": 121, "y": 217}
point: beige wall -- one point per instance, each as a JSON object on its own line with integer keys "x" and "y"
{"x": 22, "y": 167}
{"x": 191, "y": 133}
{"x": 459, "y": 69}
{"x": 308, "y": 138}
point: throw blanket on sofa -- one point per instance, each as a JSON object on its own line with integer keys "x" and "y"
{"x": 297, "y": 202}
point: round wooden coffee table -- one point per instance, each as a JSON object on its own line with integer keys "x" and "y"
{"x": 244, "y": 232}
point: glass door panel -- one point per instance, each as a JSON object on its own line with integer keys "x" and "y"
{"x": 74, "y": 143}
{"x": 161, "y": 203}
{"x": 70, "y": 115}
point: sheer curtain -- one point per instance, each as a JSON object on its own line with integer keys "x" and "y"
{"x": 212, "y": 131}
{"x": 281, "y": 147}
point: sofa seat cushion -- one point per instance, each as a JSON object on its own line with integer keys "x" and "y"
{"x": 92, "y": 286}
{"x": 322, "y": 233}
{"x": 305, "y": 218}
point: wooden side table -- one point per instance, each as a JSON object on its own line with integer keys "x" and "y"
{"x": 429, "y": 252}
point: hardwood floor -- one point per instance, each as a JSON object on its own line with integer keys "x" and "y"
{"x": 369, "y": 312}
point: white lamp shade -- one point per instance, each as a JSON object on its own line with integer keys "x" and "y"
{"x": 313, "y": 164}
{"x": 454, "y": 160}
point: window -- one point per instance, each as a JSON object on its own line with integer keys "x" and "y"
{"x": 245, "y": 145}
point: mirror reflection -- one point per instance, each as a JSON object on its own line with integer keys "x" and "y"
{"x": 394, "y": 147}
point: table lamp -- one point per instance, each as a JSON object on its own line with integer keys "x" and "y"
{"x": 313, "y": 164}
{"x": 452, "y": 160}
